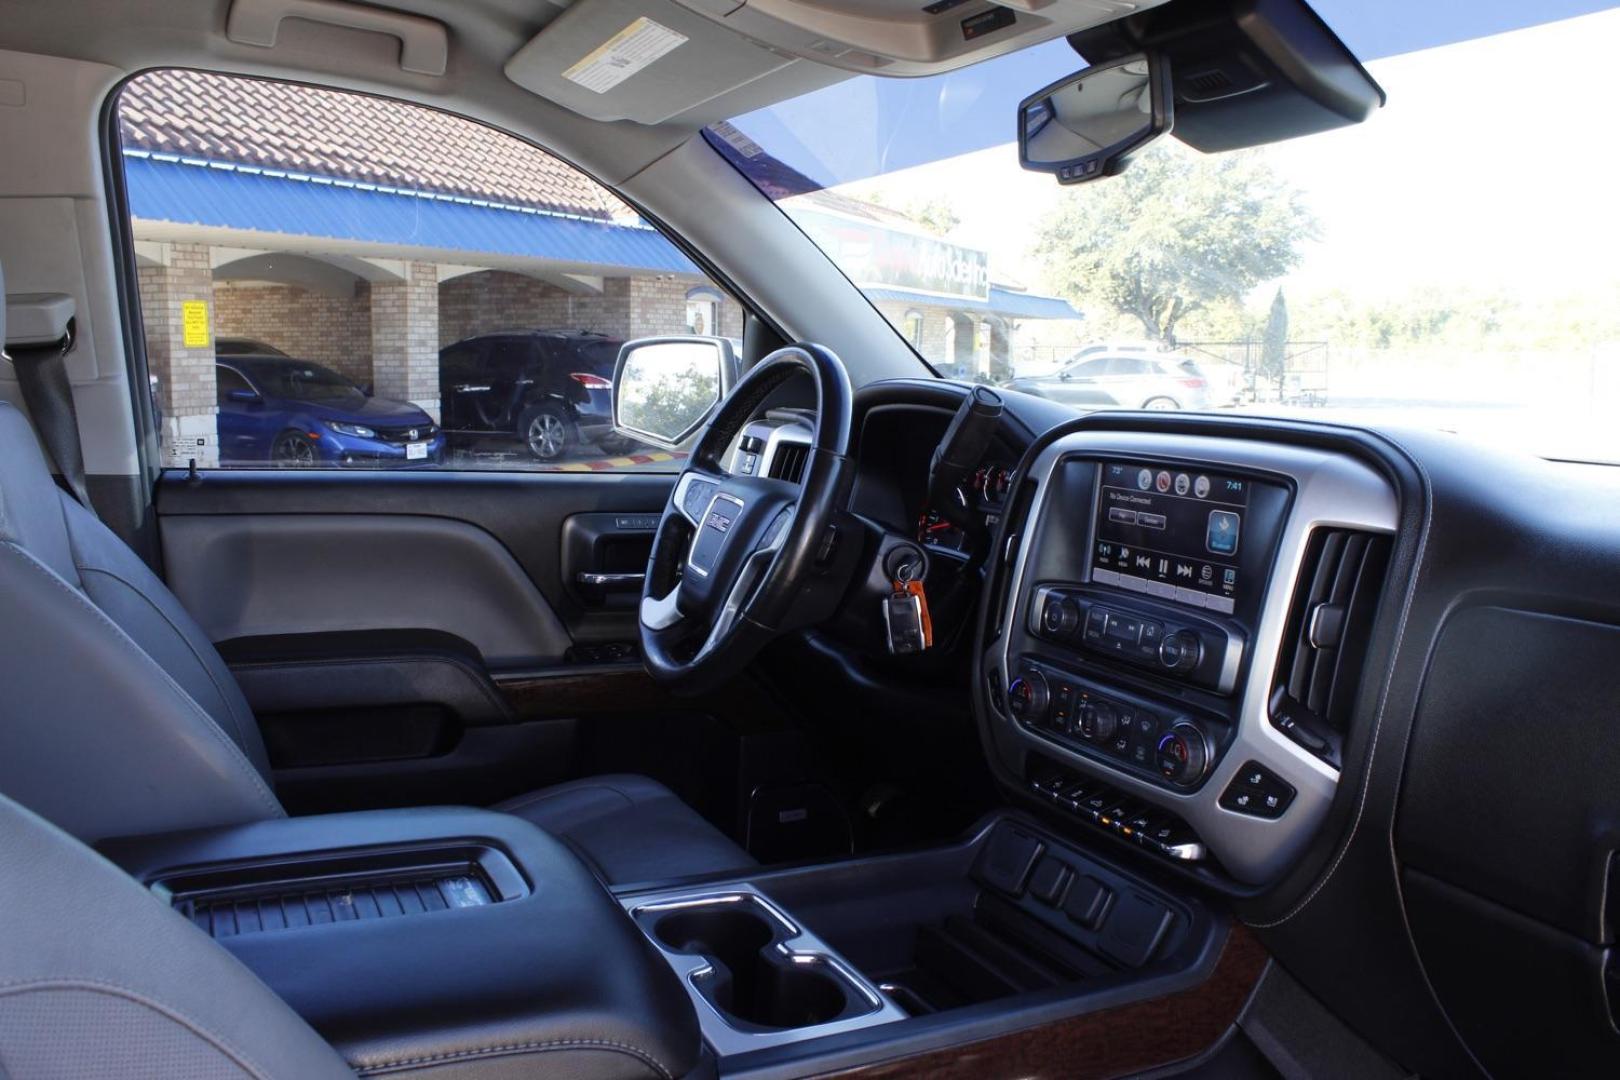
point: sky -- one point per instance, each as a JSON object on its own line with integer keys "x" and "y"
{"x": 1490, "y": 166}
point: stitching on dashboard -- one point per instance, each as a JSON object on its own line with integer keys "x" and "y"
{"x": 1383, "y": 701}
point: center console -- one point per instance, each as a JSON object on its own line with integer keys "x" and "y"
{"x": 1167, "y": 634}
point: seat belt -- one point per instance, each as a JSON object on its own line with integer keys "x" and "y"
{"x": 42, "y": 374}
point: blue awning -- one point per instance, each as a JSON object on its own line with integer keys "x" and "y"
{"x": 1008, "y": 303}
{"x": 217, "y": 195}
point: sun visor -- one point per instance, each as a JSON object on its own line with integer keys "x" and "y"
{"x": 641, "y": 60}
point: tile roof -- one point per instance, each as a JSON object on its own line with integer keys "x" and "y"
{"x": 305, "y": 129}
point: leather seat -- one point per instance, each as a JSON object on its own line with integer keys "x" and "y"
{"x": 99, "y": 978}
{"x": 119, "y": 717}
{"x": 628, "y": 828}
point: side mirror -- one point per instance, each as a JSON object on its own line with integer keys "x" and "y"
{"x": 246, "y": 397}
{"x": 664, "y": 388}
{"x": 1087, "y": 126}
{"x": 1063, "y": 376}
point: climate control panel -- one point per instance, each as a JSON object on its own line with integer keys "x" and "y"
{"x": 1172, "y": 749}
{"x": 1201, "y": 652}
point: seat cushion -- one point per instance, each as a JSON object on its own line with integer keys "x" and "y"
{"x": 629, "y": 829}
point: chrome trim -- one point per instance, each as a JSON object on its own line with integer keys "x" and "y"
{"x": 800, "y": 947}
{"x": 789, "y": 431}
{"x": 698, "y": 535}
{"x": 608, "y": 580}
{"x": 1331, "y": 490}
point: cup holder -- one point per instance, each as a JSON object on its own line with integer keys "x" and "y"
{"x": 750, "y": 980}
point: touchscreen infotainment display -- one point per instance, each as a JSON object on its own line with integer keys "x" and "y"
{"x": 1171, "y": 531}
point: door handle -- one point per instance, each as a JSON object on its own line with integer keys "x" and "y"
{"x": 470, "y": 388}
{"x": 612, "y": 582}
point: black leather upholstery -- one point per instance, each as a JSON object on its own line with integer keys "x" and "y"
{"x": 100, "y": 978}
{"x": 629, "y": 829}
{"x": 119, "y": 717}
{"x": 555, "y": 983}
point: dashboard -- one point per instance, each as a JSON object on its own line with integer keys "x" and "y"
{"x": 1321, "y": 671}
{"x": 1143, "y": 677}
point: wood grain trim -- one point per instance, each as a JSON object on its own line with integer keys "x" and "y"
{"x": 583, "y": 693}
{"x": 1113, "y": 1042}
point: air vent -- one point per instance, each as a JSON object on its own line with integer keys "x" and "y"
{"x": 1319, "y": 666}
{"x": 789, "y": 460}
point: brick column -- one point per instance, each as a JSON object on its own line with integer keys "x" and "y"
{"x": 185, "y": 374}
{"x": 405, "y": 337}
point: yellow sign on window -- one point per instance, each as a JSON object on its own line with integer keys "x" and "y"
{"x": 194, "y": 323}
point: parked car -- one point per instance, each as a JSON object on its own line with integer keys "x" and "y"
{"x": 279, "y": 411}
{"x": 234, "y": 346}
{"x": 552, "y": 389}
{"x": 1132, "y": 380}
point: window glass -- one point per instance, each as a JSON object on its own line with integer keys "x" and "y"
{"x": 229, "y": 380}
{"x": 355, "y": 254}
{"x": 1404, "y": 271}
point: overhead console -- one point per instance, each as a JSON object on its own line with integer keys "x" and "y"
{"x": 1176, "y": 639}
{"x": 590, "y": 58}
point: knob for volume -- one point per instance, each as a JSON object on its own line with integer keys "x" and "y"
{"x": 1181, "y": 651}
{"x": 1029, "y": 697}
{"x": 1183, "y": 754}
{"x": 1060, "y": 617}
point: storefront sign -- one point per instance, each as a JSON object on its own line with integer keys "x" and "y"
{"x": 878, "y": 257}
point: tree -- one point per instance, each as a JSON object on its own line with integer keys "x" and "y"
{"x": 937, "y": 215}
{"x": 1179, "y": 232}
{"x": 1274, "y": 343}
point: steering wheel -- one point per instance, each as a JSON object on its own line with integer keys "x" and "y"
{"x": 733, "y": 553}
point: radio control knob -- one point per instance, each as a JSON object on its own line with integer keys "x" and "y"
{"x": 1029, "y": 697}
{"x": 1060, "y": 617}
{"x": 1181, "y": 651}
{"x": 1183, "y": 754}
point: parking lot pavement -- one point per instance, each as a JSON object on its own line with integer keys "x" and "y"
{"x": 585, "y": 459}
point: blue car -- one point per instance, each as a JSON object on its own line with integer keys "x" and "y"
{"x": 274, "y": 410}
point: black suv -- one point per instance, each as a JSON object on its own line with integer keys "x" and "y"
{"x": 553, "y": 389}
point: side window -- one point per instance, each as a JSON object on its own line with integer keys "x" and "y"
{"x": 1129, "y": 365}
{"x": 378, "y": 251}
{"x": 1089, "y": 369}
{"x": 228, "y": 380}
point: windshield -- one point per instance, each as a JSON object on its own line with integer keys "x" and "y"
{"x": 300, "y": 381}
{"x": 1449, "y": 263}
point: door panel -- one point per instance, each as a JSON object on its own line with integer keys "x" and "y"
{"x": 255, "y": 575}
{"x": 376, "y": 621}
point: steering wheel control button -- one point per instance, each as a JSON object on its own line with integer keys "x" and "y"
{"x": 1007, "y": 860}
{"x": 1087, "y": 902}
{"x": 1257, "y": 792}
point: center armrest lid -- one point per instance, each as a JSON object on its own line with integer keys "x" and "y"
{"x": 557, "y": 969}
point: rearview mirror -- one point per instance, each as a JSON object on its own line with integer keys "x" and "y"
{"x": 1087, "y": 126}
{"x": 665, "y": 388}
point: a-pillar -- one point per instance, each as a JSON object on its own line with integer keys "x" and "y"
{"x": 177, "y": 275}
{"x": 405, "y": 337}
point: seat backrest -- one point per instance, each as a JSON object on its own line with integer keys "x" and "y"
{"x": 99, "y": 977}
{"x": 117, "y": 715}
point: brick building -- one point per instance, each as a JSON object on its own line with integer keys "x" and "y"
{"x": 366, "y": 234}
